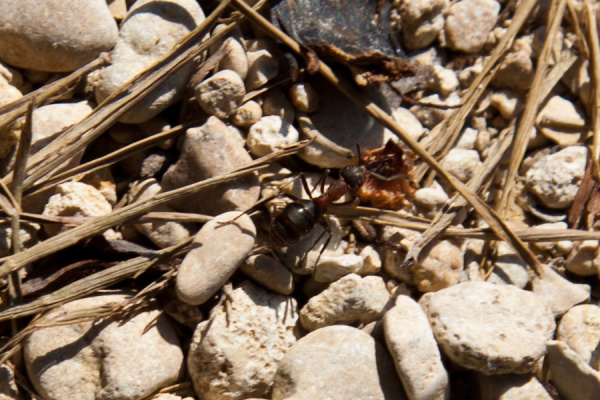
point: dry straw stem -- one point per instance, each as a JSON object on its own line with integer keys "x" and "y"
{"x": 594, "y": 70}
{"x": 100, "y": 224}
{"x": 445, "y": 217}
{"x": 94, "y": 282}
{"x": 385, "y": 217}
{"x": 502, "y": 230}
{"x": 441, "y": 139}
{"x": 48, "y": 93}
{"x": 534, "y": 99}
{"x": 78, "y": 136}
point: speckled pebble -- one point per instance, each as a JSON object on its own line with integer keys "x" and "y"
{"x": 75, "y": 199}
{"x": 410, "y": 340}
{"x": 509, "y": 267}
{"x": 583, "y": 259}
{"x": 438, "y": 267}
{"x": 235, "y": 59}
{"x": 515, "y": 71}
{"x": 422, "y": 22}
{"x": 511, "y": 387}
{"x": 445, "y": 80}
{"x": 221, "y": 94}
{"x": 462, "y": 163}
{"x": 494, "y": 329}
{"x": 219, "y": 248}
{"x": 554, "y": 179}
{"x": 269, "y": 134}
{"x": 560, "y": 293}
{"x": 506, "y": 102}
{"x": 429, "y": 201}
{"x": 580, "y": 329}
{"x": 304, "y": 97}
{"x": 150, "y": 31}
{"x": 208, "y": 151}
{"x": 247, "y": 114}
{"x": 55, "y": 35}
{"x": 111, "y": 360}
{"x": 350, "y": 299}
{"x": 337, "y": 363}
{"x": 469, "y": 22}
{"x": 262, "y": 66}
{"x": 332, "y": 268}
{"x": 161, "y": 233}
{"x": 236, "y": 353}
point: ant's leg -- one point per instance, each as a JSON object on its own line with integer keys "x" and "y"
{"x": 305, "y": 185}
{"x": 327, "y": 230}
{"x": 390, "y": 178}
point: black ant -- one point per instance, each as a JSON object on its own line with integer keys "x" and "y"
{"x": 389, "y": 165}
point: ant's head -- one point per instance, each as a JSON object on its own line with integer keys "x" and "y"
{"x": 354, "y": 176}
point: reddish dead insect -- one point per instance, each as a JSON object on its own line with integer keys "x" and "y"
{"x": 388, "y": 181}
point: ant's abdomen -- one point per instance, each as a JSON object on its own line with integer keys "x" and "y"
{"x": 295, "y": 221}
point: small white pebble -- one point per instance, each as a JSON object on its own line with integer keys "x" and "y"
{"x": 270, "y": 134}
{"x": 304, "y": 97}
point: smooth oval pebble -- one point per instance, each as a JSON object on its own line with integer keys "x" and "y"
{"x": 410, "y": 340}
{"x": 494, "y": 329}
{"x": 219, "y": 248}
{"x": 149, "y": 32}
{"x": 337, "y": 363}
{"x": 109, "y": 360}
{"x": 55, "y": 35}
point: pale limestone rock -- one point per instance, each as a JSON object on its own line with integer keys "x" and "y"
{"x": 554, "y": 179}
{"x": 511, "y": 387}
{"x": 429, "y": 201}
{"x": 304, "y": 97}
{"x": 55, "y": 35}
{"x": 469, "y": 22}
{"x": 247, "y": 114}
{"x": 573, "y": 378}
{"x": 560, "y": 293}
{"x": 493, "y": 329}
{"x": 235, "y": 59}
{"x": 75, "y": 199}
{"x": 220, "y": 247}
{"x": 582, "y": 260}
{"x": 161, "y": 233}
{"x": 332, "y": 268}
{"x": 269, "y": 134}
{"x": 208, "y": 151}
{"x": 337, "y": 363}
{"x": 112, "y": 360}
{"x": 580, "y": 329}
{"x": 235, "y": 354}
{"x": 269, "y": 273}
{"x": 515, "y": 71}
{"x": 438, "y": 267}
{"x": 350, "y": 299}
{"x": 221, "y": 94}
{"x": 506, "y": 102}
{"x": 409, "y": 122}
{"x": 150, "y": 31}
{"x": 410, "y": 340}
{"x": 462, "y": 163}
{"x": 509, "y": 267}
{"x": 422, "y": 22}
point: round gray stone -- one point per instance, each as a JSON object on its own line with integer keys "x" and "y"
{"x": 55, "y": 35}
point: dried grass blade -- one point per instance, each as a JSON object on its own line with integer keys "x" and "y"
{"x": 489, "y": 215}
{"x": 594, "y": 109}
{"x": 444, "y": 219}
{"x": 91, "y": 284}
{"x": 122, "y": 215}
{"x": 78, "y": 136}
{"x": 534, "y": 100}
{"x": 444, "y": 135}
